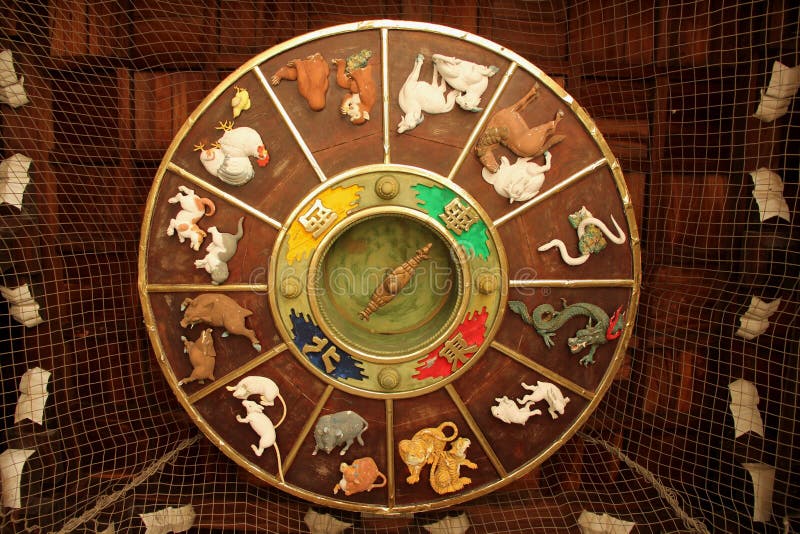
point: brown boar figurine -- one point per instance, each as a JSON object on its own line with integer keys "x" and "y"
{"x": 216, "y": 309}
{"x": 359, "y": 476}
{"x": 202, "y": 356}
{"x": 311, "y": 75}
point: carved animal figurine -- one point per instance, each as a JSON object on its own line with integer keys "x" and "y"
{"x": 468, "y": 77}
{"x": 424, "y": 447}
{"x": 416, "y": 97}
{"x": 446, "y": 469}
{"x": 311, "y": 74}
{"x": 394, "y": 282}
{"x": 359, "y": 476}
{"x": 509, "y": 412}
{"x": 520, "y": 181}
{"x": 508, "y": 127}
{"x": 590, "y": 237}
{"x": 229, "y": 158}
{"x": 337, "y": 429}
{"x": 240, "y": 101}
{"x": 266, "y": 389}
{"x": 262, "y": 426}
{"x": 546, "y": 391}
{"x": 218, "y": 310}
{"x": 356, "y": 76}
{"x": 202, "y": 356}
{"x": 219, "y": 252}
{"x": 599, "y": 328}
{"x": 193, "y": 208}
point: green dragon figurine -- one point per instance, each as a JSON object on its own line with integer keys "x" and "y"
{"x": 599, "y": 328}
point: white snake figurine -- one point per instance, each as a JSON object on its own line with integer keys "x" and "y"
{"x": 580, "y": 260}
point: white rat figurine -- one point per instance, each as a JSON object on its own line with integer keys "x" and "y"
{"x": 262, "y": 426}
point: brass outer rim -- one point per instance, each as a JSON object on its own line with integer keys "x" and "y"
{"x": 462, "y": 265}
{"x": 391, "y": 507}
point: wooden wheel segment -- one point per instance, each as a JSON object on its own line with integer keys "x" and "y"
{"x": 367, "y": 191}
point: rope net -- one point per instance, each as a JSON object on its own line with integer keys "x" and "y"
{"x": 684, "y": 92}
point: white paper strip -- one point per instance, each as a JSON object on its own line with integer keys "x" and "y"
{"x": 591, "y": 523}
{"x": 763, "y": 482}
{"x": 768, "y": 192}
{"x": 12, "y": 462}
{"x": 775, "y": 99}
{"x": 33, "y": 395}
{"x": 169, "y": 520}
{"x": 14, "y": 178}
{"x": 744, "y": 407}
{"x": 755, "y": 320}
{"x": 22, "y": 306}
{"x": 318, "y": 523}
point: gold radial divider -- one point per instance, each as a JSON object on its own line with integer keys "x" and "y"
{"x": 476, "y": 430}
{"x": 236, "y": 373}
{"x": 390, "y": 478}
{"x": 290, "y": 124}
{"x": 487, "y": 112}
{"x": 544, "y": 371}
{"x": 208, "y": 288}
{"x": 387, "y": 151}
{"x": 227, "y": 197}
{"x": 301, "y": 436}
{"x": 590, "y": 282}
{"x": 550, "y": 192}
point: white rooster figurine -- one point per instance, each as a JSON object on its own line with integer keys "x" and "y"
{"x": 229, "y": 158}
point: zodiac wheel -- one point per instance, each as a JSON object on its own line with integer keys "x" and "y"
{"x": 411, "y": 259}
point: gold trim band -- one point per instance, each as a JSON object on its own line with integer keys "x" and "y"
{"x": 208, "y": 288}
{"x": 473, "y": 425}
{"x": 230, "y": 199}
{"x": 544, "y": 371}
{"x": 550, "y": 192}
{"x": 611, "y": 282}
{"x": 301, "y": 436}
{"x": 236, "y": 373}
{"x": 290, "y": 124}
{"x": 487, "y": 112}
{"x": 387, "y": 149}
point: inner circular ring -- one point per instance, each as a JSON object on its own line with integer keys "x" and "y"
{"x": 395, "y": 251}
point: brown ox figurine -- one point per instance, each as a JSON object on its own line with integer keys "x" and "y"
{"x": 311, "y": 74}
{"x": 202, "y": 356}
{"x": 218, "y": 310}
{"x": 507, "y": 127}
{"x": 355, "y": 75}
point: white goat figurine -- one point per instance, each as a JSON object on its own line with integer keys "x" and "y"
{"x": 520, "y": 181}
{"x": 416, "y": 97}
{"x": 509, "y": 412}
{"x": 469, "y": 78}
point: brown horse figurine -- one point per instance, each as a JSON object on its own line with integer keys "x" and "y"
{"x": 507, "y": 127}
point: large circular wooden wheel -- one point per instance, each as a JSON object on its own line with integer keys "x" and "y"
{"x": 356, "y": 275}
